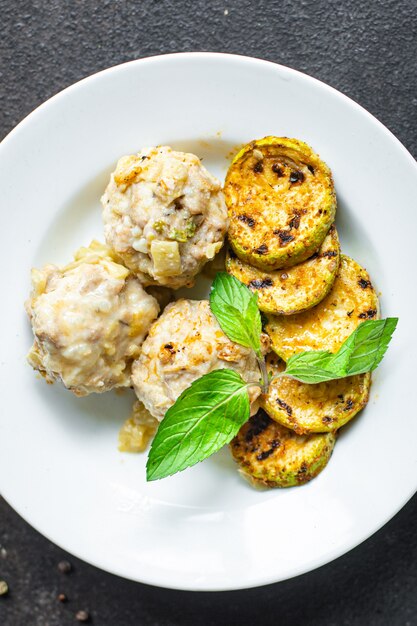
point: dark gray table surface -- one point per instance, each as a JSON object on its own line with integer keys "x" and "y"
{"x": 366, "y": 50}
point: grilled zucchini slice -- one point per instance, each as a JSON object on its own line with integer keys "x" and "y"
{"x": 294, "y": 289}
{"x": 271, "y": 455}
{"x": 281, "y": 202}
{"x": 319, "y": 408}
{"x": 351, "y": 301}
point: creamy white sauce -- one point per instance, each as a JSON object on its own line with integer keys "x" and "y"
{"x": 89, "y": 320}
{"x": 185, "y": 343}
{"x": 167, "y": 196}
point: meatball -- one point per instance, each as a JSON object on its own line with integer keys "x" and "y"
{"x": 185, "y": 343}
{"x": 89, "y": 320}
{"x": 164, "y": 215}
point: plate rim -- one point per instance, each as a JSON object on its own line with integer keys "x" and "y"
{"x": 332, "y": 555}
{"x": 157, "y": 58}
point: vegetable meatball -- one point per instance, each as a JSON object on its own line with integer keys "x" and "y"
{"x": 164, "y": 215}
{"x": 185, "y": 343}
{"x": 89, "y": 320}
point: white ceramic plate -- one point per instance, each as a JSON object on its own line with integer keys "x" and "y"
{"x": 204, "y": 529}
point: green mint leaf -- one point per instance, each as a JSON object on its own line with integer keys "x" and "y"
{"x": 206, "y": 416}
{"x": 365, "y": 348}
{"x": 311, "y": 367}
{"x": 236, "y": 310}
{"x": 361, "y": 352}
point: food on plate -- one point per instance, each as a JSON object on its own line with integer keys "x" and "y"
{"x": 218, "y": 264}
{"x": 351, "y": 301}
{"x": 164, "y": 215}
{"x": 323, "y": 407}
{"x": 281, "y": 202}
{"x": 183, "y": 344}
{"x": 271, "y": 455}
{"x": 96, "y": 326}
{"x": 137, "y": 430}
{"x": 89, "y": 319}
{"x": 294, "y": 289}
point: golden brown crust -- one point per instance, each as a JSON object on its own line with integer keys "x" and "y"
{"x": 323, "y": 407}
{"x": 351, "y": 301}
{"x": 271, "y": 455}
{"x": 294, "y": 289}
{"x": 281, "y": 202}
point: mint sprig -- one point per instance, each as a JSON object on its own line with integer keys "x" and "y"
{"x": 211, "y": 411}
{"x": 236, "y": 310}
{"x": 361, "y": 352}
{"x": 205, "y": 417}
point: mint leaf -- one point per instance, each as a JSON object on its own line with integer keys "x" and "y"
{"x": 311, "y": 367}
{"x": 236, "y": 310}
{"x": 206, "y": 416}
{"x": 361, "y": 352}
{"x": 365, "y": 348}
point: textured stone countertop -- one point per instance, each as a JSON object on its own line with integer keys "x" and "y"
{"x": 366, "y": 50}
